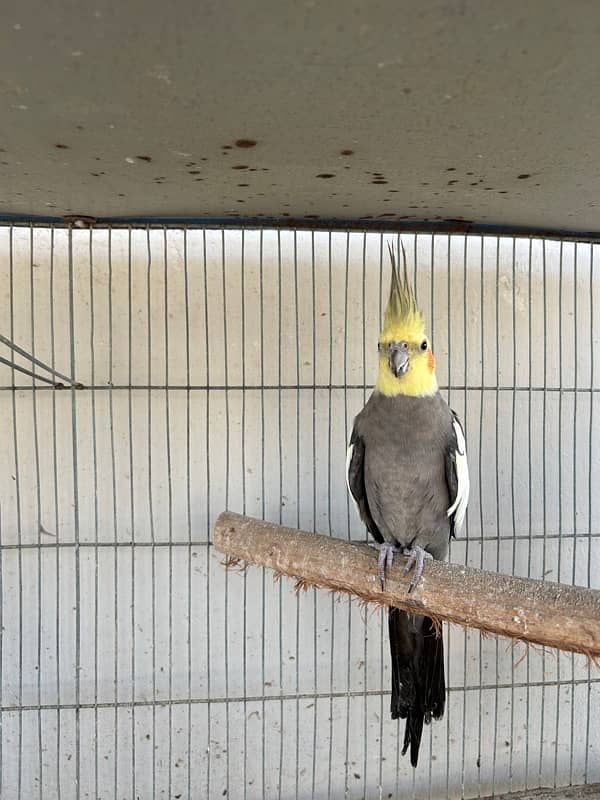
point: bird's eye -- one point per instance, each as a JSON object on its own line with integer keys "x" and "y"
{"x": 424, "y": 344}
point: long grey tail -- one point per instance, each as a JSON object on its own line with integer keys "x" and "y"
{"x": 418, "y": 684}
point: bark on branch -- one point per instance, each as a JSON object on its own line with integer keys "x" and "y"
{"x": 552, "y": 614}
{"x": 590, "y": 792}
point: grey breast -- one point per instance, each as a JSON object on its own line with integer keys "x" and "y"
{"x": 406, "y": 439}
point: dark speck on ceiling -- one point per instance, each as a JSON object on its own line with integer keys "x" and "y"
{"x": 245, "y": 143}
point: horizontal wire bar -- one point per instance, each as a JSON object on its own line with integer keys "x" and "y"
{"x": 232, "y": 387}
{"x": 525, "y": 537}
{"x": 326, "y": 224}
{"x": 361, "y": 693}
{"x": 100, "y": 545}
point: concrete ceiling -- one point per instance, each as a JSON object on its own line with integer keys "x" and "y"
{"x": 468, "y": 109}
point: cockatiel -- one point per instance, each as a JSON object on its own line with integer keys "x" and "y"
{"x": 407, "y": 473}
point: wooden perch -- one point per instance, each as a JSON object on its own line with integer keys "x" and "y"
{"x": 590, "y": 792}
{"x": 552, "y": 614}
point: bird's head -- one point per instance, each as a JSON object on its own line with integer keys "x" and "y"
{"x": 406, "y": 363}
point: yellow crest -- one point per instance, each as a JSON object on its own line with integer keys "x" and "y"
{"x": 402, "y": 318}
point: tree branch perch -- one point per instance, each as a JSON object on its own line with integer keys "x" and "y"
{"x": 545, "y": 613}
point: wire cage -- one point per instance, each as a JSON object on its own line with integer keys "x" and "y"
{"x": 214, "y": 369}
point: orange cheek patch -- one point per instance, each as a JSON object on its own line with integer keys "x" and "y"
{"x": 431, "y": 361}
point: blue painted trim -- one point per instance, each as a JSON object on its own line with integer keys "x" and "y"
{"x": 328, "y": 224}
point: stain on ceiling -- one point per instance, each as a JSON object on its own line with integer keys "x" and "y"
{"x": 390, "y": 111}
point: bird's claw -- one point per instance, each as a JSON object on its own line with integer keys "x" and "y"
{"x": 386, "y": 559}
{"x": 416, "y": 559}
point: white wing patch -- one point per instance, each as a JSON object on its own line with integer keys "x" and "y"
{"x": 349, "y": 453}
{"x": 459, "y": 506}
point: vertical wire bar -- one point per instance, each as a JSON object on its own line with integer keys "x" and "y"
{"x": 76, "y": 520}
{"x": 480, "y": 480}
{"x": 574, "y": 474}
{"x": 298, "y": 462}
{"x": 22, "y": 764}
{"x": 56, "y": 524}
{"x": 398, "y": 752}
{"x": 448, "y": 396}
{"x": 170, "y": 505}
{"x": 465, "y": 354}
{"x": 416, "y": 288}
{"x": 497, "y": 476}
{"x": 348, "y": 602}
{"x": 560, "y": 475}
{"x": 111, "y": 414}
{"x": 544, "y": 512}
{"x": 431, "y": 317}
{"x": 398, "y": 739}
{"x": 227, "y": 476}
{"x": 280, "y": 453}
{"x": 132, "y": 506}
{"x": 38, "y": 500}
{"x": 512, "y": 493}
{"x": 365, "y": 626}
{"x": 188, "y": 508}
{"x": 18, "y": 510}
{"x": 245, "y": 575}
{"x": 150, "y": 510}
{"x": 96, "y": 509}
{"x": 513, "y": 397}
{"x": 2, "y": 652}
{"x": 208, "y": 510}
{"x": 314, "y": 502}
{"x": 398, "y": 736}
{"x": 589, "y": 496}
{"x": 432, "y": 290}
{"x": 530, "y": 478}
{"x": 263, "y": 506}
{"x": 329, "y": 488}
{"x": 381, "y": 610}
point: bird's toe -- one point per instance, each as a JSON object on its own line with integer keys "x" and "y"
{"x": 416, "y": 560}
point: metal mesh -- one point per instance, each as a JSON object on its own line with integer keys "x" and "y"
{"x": 223, "y": 370}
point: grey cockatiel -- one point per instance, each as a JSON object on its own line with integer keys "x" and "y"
{"x": 407, "y": 472}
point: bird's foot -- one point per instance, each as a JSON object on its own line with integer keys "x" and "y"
{"x": 386, "y": 559}
{"x": 416, "y": 558}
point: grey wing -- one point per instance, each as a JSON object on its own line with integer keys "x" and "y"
{"x": 355, "y": 480}
{"x": 457, "y": 476}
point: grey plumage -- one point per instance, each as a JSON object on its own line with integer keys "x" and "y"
{"x": 406, "y": 442}
{"x": 402, "y": 474}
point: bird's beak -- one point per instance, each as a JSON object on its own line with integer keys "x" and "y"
{"x": 398, "y": 358}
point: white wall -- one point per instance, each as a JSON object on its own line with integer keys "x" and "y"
{"x": 131, "y": 661}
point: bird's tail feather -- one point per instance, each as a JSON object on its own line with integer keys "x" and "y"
{"x": 418, "y": 684}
